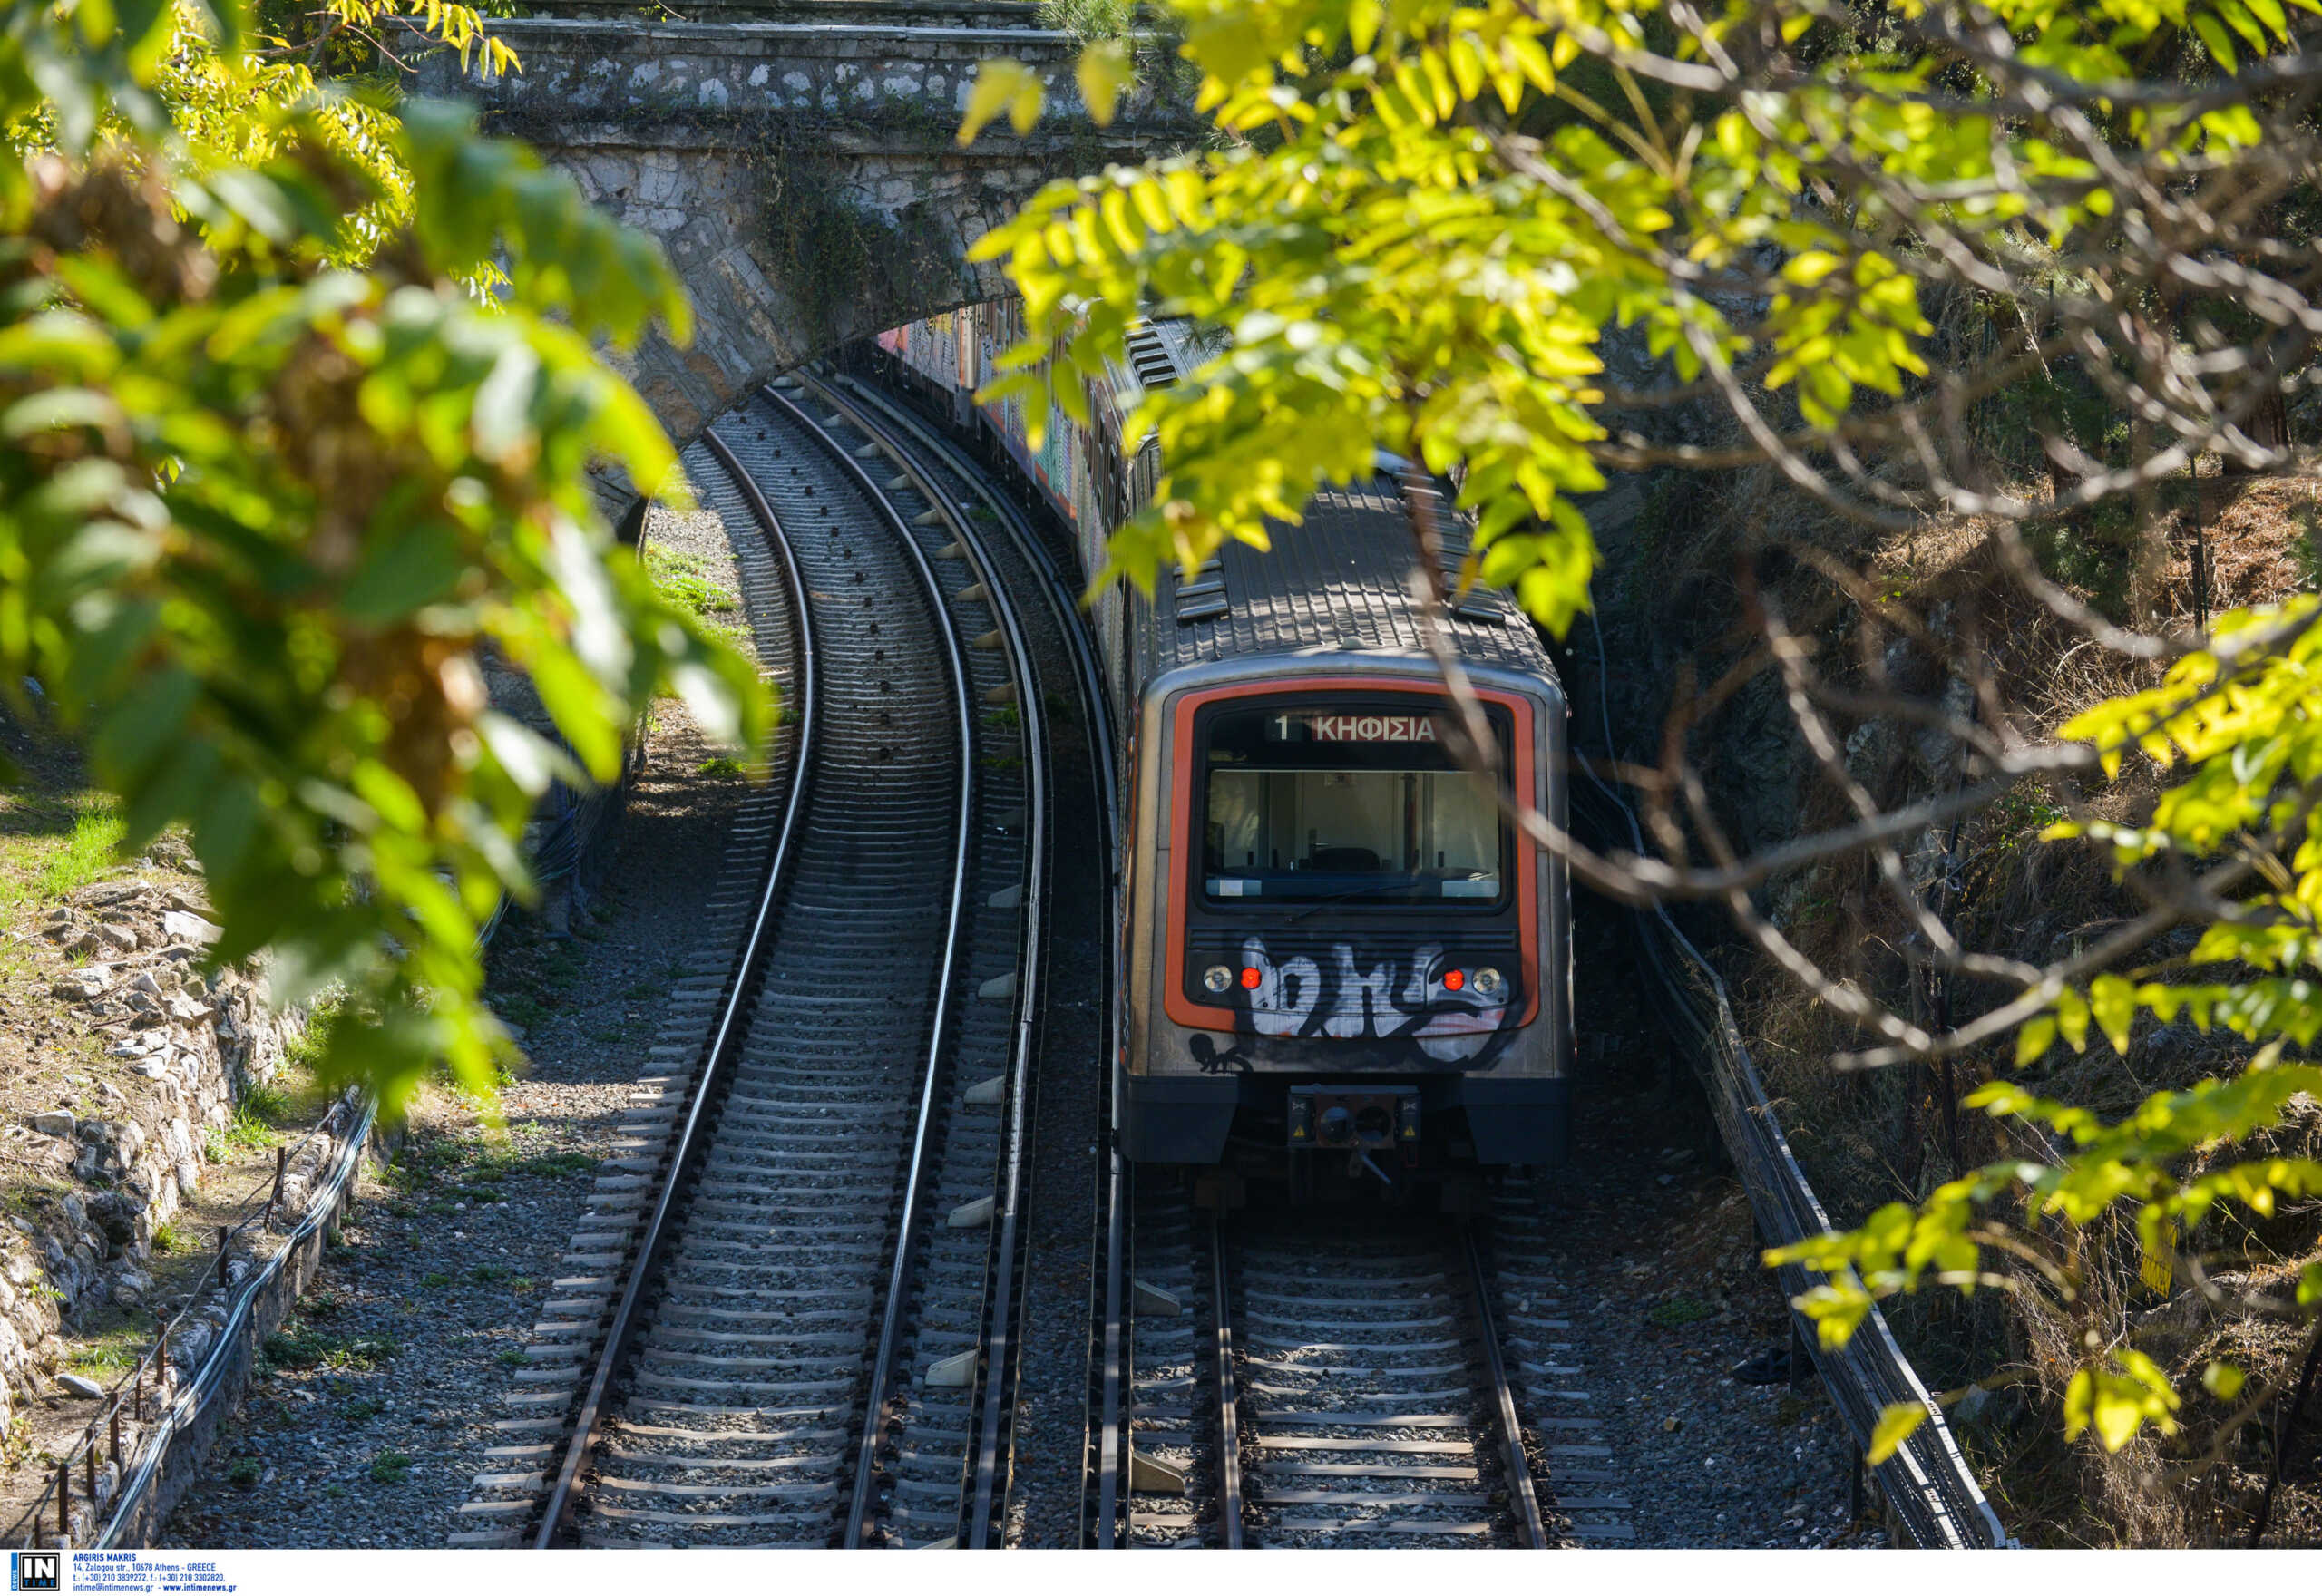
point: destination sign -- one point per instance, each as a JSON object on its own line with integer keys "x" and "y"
{"x": 1352, "y": 728}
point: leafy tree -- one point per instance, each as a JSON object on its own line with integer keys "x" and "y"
{"x": 1422, "y": 224}
{"x": 274, "y": 480}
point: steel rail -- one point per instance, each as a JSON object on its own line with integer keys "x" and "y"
{"x": 1113, "y": 1351}
{"x": 995, "y": 1380}
{"x": 1523, "y": 1496}
{"x": 1928, "y": 1479}
{"x": 557, "y": 1512}
{"x": 1106, "y": 1429}
{"x": 1229, "y": 1407}
{"x": 861, "y": 1508}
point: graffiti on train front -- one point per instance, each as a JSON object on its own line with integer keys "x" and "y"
{"x": 1397, "y": 1000}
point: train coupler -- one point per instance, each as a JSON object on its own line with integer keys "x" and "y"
{"x": 1355, "y": 1119}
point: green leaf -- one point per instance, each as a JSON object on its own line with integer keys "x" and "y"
{"x": 530, "y": 760}
{"x": 2220, "y": 46}
{"x": 2118, "y": 1415}
{"x": 145, "y": 723}
{"x": 2071, "y": 1018}
{"x": 404, "y": 574}
{"x": 389, "y": 795}
{"x": 501, "y": 422}
{"x": 1002, "y": 84}
{"x": 2080, "y": 1401}
{"x": 1102, "y": 69}
{"x": 1896, "y": 1424}
{"x": 58, "y": 409}
{"x": 2111, "y": 999}
{"x": 2038, "y": 1035}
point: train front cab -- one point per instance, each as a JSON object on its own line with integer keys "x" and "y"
{"x": 1342, "y": 957}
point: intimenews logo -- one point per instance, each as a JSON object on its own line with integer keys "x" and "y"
{"x": 34, "y": 1570}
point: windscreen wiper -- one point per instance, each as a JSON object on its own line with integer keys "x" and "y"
{"x": 1341, "y": 898}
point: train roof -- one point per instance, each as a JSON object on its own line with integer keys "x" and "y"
{"x": 1338, "y": 579}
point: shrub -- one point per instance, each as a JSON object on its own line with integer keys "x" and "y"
{"x": 1679, "y": 1311}
{"x": 300, "y": 1345}
{"x": 265, "y": 1103}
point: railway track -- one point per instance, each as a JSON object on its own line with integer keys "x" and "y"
{"x": 1076, "y": 1025}
{"x": 784, "y": 1342}
{"x": 1318, "y": 1379}
{"x": 804, "y": 1315}
{"x": 1047, "y": 564}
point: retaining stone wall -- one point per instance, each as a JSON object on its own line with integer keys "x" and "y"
{"x": 179, "y": 1047}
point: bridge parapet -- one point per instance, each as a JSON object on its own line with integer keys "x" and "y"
{"x": 894, "y": 13}
{"x": 588, "y": 68}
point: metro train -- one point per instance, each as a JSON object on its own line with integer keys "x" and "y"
{"x": 1344, "y": 971}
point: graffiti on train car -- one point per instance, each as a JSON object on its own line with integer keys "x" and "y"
{"x": 1398, "y": 1001}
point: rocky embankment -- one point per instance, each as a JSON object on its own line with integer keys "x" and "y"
{"x": 131, "y": 1073}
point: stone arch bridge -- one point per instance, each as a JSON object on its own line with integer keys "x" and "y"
{"x": 798, "y": 161}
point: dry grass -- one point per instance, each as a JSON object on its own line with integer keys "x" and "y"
{"x": 1870, "y": 1138}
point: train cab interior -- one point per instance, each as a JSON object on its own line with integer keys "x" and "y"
{"x": 1333, "y": 803}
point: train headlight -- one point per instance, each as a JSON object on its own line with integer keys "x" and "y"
{"x": 1217, "y": 978}
{"x": 1487, "y": 982}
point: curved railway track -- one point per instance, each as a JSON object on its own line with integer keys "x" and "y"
{"x": 1048, "y": 565}
{"x": 1484, "y": 1292}
{"x": 785, "y": 1342}
{"x": 1045, "y": 629}
{"x": 805, "y": 1312}
{"x": 927, "y": 1460}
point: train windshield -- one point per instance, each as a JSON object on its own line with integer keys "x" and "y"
{"x": 1355, "y": 805}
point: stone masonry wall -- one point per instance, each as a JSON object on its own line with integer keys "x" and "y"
{"x": 179, "y": 1047}
{"x": 687, "y": 131}
{"x": 584, "y": 67}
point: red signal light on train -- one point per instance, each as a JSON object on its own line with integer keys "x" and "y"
{"x": 1250, "y": 979}
{"x": 1454, "y": 979}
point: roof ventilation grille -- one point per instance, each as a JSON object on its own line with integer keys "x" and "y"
{"x": 1202, "y": 596}
{"x": 1478, "y": 602}
{"x": 1148, "y": 356}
